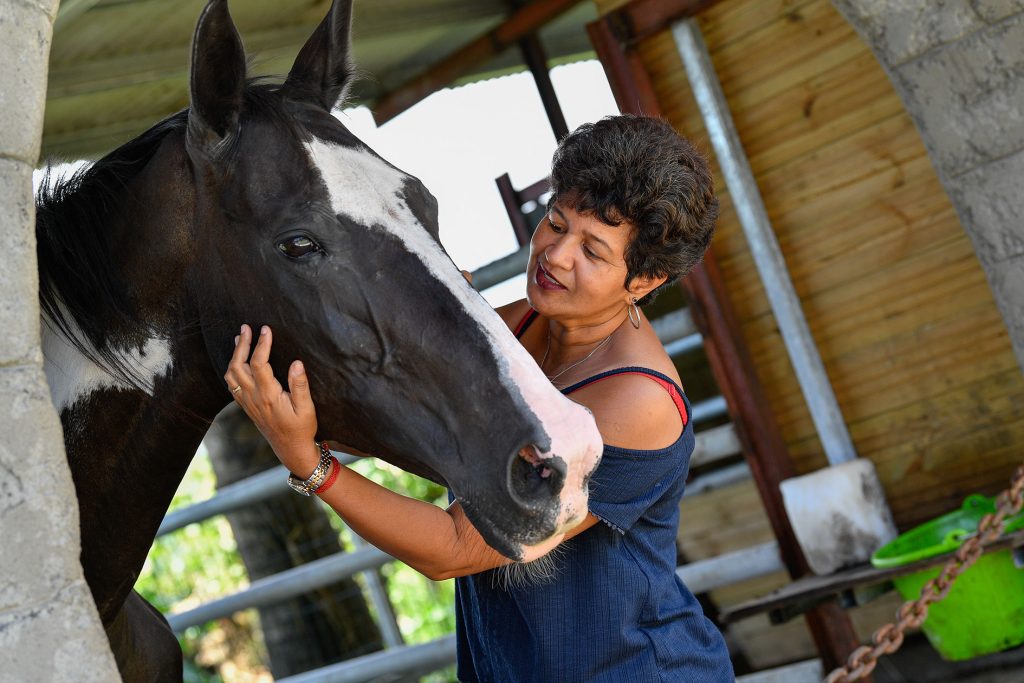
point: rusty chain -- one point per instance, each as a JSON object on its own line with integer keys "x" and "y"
{"x": 912, "y": 613}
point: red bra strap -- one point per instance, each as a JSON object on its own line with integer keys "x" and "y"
{"x": 525, "y": 322}
{"x": 665, "y": 383}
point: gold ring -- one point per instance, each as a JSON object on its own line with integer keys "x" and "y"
{"x": 237, "y": 389}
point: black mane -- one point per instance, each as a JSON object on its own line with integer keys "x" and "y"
{"x": 78, "y": 282}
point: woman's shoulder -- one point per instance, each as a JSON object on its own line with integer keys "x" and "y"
{"x": 632, "y": 408}
{"x": 514, "y": 312}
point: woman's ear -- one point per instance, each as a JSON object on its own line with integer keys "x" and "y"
{"x": 642, "y": 285}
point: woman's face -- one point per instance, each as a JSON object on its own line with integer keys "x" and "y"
{"x": 577, "y": 266}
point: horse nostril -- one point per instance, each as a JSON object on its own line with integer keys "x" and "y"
{"x": 534, "y": 479}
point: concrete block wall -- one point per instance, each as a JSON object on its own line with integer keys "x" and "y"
{"x": 49, "y": 629}
{"x": 958, "y": 65}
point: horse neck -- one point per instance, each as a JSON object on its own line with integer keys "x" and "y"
{"x": 135, "y": 399}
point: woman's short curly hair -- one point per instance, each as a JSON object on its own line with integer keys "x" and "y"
{"x": 637, "y": 169}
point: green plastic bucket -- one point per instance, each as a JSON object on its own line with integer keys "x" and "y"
{"x": 984, "y": 610}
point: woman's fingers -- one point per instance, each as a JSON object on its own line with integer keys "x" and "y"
{"x": 241, "y": 352}
{"x": 298, "y": 386}
{"x": 260, "y": 361}
{"x": 238, "y": 376}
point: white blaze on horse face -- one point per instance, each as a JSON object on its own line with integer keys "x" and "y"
{"x": 73, "y": 377}
{"x": 368, "y": 190}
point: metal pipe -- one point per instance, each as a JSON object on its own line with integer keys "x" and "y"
{"x": 771, "y": 266}
{"x": 236, "y": 496}
{"x": 675, "y": 325}
{"x": 381, "y": 602}
{"x": 282, "y": 586}
{"x": 407, "y": 659}
{"x": 715, "y": 444}
{"x": 496, "y": 272}
{"x": 729, "y": 568}
{"x": 723, "y": 476}
{"x": 710, "y": 409}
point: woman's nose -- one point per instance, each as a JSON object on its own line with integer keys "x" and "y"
{"x": 559, "y": 254}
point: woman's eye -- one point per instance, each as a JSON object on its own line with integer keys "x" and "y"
{"x": 298, "y": 246}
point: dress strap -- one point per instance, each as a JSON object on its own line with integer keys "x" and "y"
{"x": 530, "y": 316}
{"x": 666, "y": 383}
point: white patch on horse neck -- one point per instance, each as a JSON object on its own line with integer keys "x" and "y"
{"x": 368, "y": 190}
{"x": 73, "y": 377}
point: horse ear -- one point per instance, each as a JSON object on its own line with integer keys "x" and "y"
{"x": 323, "y": 70}
{"x": 218, "y": 79}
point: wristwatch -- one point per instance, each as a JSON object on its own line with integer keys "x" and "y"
{"x": 306, "y": 487}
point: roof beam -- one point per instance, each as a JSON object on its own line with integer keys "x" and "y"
{"x": 520, "y": 24}
{"x": 639, "y": 19}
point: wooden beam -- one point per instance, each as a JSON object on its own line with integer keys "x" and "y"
{"x": 623, "y": 69}
{"x": 731, "y": 365}
{"x": 519, "y": 25}
{"x": 537, "y": 61}
{"x": 640, "y": 19}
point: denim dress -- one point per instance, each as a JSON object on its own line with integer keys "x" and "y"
{"x": 615, "y": 611}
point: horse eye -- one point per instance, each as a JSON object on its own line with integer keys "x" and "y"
{"x": 298, "y": 246}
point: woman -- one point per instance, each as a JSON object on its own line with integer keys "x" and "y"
{"x": 632, "y": 210}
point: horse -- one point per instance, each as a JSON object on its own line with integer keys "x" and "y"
{"x": 255, "y": 205}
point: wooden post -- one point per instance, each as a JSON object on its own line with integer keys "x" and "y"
{"x": 537, "y": 61}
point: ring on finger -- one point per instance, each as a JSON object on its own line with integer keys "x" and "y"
{"x": 237, "y": 390}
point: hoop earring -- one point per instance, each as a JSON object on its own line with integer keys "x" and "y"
{"x": 632, "y": 311}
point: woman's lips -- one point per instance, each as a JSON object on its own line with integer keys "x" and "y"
{"x": 545, "y": 280}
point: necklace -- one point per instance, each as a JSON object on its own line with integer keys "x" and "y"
{"x": 579, "y": 362}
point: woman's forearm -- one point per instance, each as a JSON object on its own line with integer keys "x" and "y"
{"x": 438, "y": 543}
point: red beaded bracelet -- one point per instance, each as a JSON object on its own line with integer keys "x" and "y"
{"x": 330, "y": 479}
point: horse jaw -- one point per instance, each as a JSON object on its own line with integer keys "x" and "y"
{"x": 368, "y": 190}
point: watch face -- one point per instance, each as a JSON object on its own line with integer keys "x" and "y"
{"x": 297, "y": 485}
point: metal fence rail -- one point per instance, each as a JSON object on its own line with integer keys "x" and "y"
{"x": 283, "y": 585}
{"x": 236, "y": 496}
{"x": 404, "y": 660}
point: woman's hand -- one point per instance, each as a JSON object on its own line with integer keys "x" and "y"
{"x": 286, "y": 419}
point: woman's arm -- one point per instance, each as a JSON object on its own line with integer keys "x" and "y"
{"x": 439, "y": 543}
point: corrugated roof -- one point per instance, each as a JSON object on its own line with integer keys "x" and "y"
{"x": 118, "y": 66}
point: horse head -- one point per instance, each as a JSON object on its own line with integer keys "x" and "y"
{"x": 301, "y": 226}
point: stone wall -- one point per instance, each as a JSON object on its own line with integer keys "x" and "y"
{"x": 49, "y": 629}
{"x": 958, "y": 65}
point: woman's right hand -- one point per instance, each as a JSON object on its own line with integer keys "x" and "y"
{"x": 286, "y": 419}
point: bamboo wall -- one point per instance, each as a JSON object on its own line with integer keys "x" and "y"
{"x": 896, "y": 300}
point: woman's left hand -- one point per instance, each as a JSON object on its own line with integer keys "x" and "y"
{"x": 286, "y": 419}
